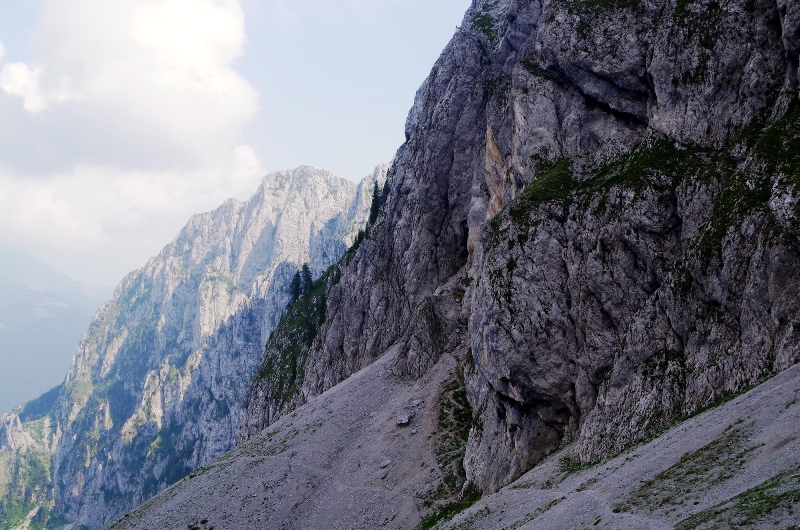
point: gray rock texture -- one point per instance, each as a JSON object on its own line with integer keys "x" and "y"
{"x": 596, "y": 207}
{"x": 590, "y": 233}
{"x": 339, "y": 461}
{"x": 732, "y": 467}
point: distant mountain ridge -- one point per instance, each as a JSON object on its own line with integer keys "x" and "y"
{"x": 157, "y": 384}
{"x": 43, "y": 313}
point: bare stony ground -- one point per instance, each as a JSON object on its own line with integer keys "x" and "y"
{"x": 342, "y": 461}
{"x": 735, "y": 466}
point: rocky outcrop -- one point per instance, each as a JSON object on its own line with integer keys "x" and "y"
{"x": 731, "y": 467}
{"x": 596, "y": 208}
{"x": 158, "y": 384}
{"x": 27, "y": 439}
{"x": 592, "y": 227}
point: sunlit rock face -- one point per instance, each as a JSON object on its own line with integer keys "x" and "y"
{"x": 157, "y": 385}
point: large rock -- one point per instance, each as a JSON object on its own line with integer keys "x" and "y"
{"x": 628, "y": 272}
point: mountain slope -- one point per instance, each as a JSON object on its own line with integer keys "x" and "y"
{"x": 157, "y": 385}
{"x": 42, "y": 316}
{"x": 735, "y": 466}
{"x": 369, "y": 473}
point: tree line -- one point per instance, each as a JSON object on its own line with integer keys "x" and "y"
{"x": 300, "y": 283}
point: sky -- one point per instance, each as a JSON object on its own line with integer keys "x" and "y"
{"x": 121, "y": 119}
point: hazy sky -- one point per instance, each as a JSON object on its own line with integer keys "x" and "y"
{"x": 121, "y": 118}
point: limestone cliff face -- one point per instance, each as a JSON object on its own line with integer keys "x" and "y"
{"x": 596, "y": 208}
{"x": 157, "y": 386}
{"x": 27, "y": 439}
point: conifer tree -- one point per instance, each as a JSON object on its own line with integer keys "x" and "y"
{"x": 375, "y": 209}
{"x": 295, "y": 288}
{"x": 307, "y": 281}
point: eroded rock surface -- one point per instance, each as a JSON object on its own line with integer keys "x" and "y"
{"x": 596, "y": 207}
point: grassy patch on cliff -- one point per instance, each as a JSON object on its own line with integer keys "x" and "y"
{"x": 26, "y": 486}
{"x": 29, "y": 493}
{"x": 771, "y": 503}
{"x": 452, "y": 495}
{"x": 287, "y": 349}
{"x": 685, "y": 481}
{"x": 661, "y": 165}
{"x": 482, "y": 21}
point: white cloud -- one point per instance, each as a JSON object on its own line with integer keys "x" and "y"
{"x": 2, "y": 51}
{"x": 151, "y": 78}
{"x": 138, "y": 109}
{"x": 292, "y": 12}
{"x": 18, "y": 79}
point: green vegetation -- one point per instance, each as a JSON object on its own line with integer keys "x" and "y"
{"x": 696, "y": 471}
{"x": 661, "y": 166}
{"x": 483, "y": 22}
{"x": 30, "y": 489}
{"x": 283, "y": 367}
{"x": 452, "y": 495}
{"x": 447, "y": 511}
{"x": 287, "y": 348}
{"x": 377, "y": 204}
{"x": 534, "y": 515}
{"x": 569, "y": 465}
{"x": 779, "y": 146}
{"x": 532, "y": 66}
{"x": 556, "y": 184}
{"x": 774, "y": 501}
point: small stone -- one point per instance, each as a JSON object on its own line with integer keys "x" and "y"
{"x": 386, "y": 463}
{"x": 413, "y": 431}
{"x": 416, "y": 403}
{"x": 403, "y": 420}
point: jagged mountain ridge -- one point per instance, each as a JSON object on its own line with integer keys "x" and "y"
{"x": 590, "y": 232}
{"x": 157, "y": 385}
{"x": 725, "y": 468}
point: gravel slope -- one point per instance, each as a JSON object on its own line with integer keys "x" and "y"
{"x": 341, "y": 461}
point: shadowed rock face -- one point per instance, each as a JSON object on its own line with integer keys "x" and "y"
{"x": 597, "y": 206}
